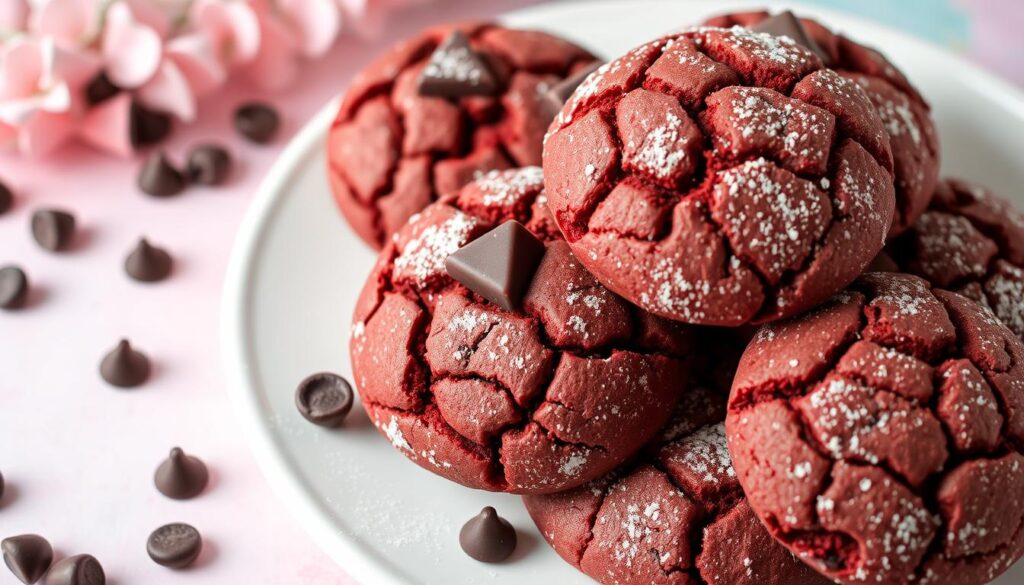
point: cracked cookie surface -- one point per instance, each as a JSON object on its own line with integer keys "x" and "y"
{"x": 880, "y": 436}
{"x": 535, "y": 400}
{"x": 720, "y": 177}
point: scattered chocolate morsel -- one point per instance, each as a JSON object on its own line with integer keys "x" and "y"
{"x": 160, "y": 178}
{"x": 257, "y": 121}
{"x": 487, "y": 537}
{"x": 1, "y": 486}
{"x": 6, "y": 198}
{"x": 455, "y": 70}
{"x": 53, "y": 228}
{"x": 76, "y": 570}
{"x": 125, "y": 367}
{"x": 100, "y": 89}
{"x": 559, "y": 93}
{"x": 148, "y": 127}
{"x": 324, "y": 399}
{"x": 174, "y": 545}
{"x": 181, "y": 476}
{"x": 498, "y": 265}
{"x": 787, "y": 24}
{"x": 28, "y": 556}
{"x": 147, "y": 263}
{"x": 208, "y": 164}
{"x": 13, "y": 293}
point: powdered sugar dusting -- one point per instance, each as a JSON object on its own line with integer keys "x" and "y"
{"x": 423, "y": 256}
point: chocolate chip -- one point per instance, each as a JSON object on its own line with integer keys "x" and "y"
{"x": 100, "y": 89}
{"x": 498, "y": 265}
{"x": 76, "y": 570}
{"x": 324, "y": 399}
{"x": 160, "y": 178}
{"x": 559, "y": 93}
{"x": 124, "y": 367}
{"x": 28, "y": 556}
{"x": 488, "y": 537}
{"x": 181, "y": 476}
{"x": 53, "y": 228}
{"x": 174, "y": 545}
{"x": 257, "y": 121}
{"x": 208, "y": 164}
{"x": 147, "y": 263}
{"x": 6, "y": 198}
{"x": 148, "y": 127}
{"x": 1, "y": 487}
{"x": 786, "y": 24}
{"x": 13, "y": 290}
{"x": 455, "y": 70}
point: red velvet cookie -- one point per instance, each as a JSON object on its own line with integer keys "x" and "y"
{"x": 971, "y": 241}
{"x": 538, "y": 399}
{"x": 396, "y": 144}
{"x": 720, "y": 176}
{"x": 677, "y": 516}
{"x": 880, "y": 436}
{"x": 907, "y": 117}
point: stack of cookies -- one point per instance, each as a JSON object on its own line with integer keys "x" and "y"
{"x": 707, "y": 306}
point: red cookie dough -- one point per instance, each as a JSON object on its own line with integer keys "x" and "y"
{"x": 971, "y": 241}
{"x": 678, "y": 516}
{"x": 392, "y": 151}
{"x": 880, "y": 436}
{"x": 533, "y": 401}
{"x": 907, "y": 116}
{"x": 720, "y": 176}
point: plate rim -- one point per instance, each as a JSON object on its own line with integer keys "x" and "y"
{"x": 237, "y": 351}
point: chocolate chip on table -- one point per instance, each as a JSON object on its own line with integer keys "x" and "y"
{"x": 175, "y": 545}
{"x": 76, "y": 570}
{"x": 498, "y": 265}
{"x": 786, "y": 24}
{"x": 257, "y": 121}
{"x": 148, "y": 127}
{"x": 53, "y": 229}
{"x": 124, "y": 366}
{"x": 181, "y": 476}
{"x": 147, "y": 263}
{"x": 487, "y": 537}
{"x": 208, "y": 164}
{"x": 13, "y": 292}
{"x": 455, "y": 70}
{"x": 159, "y": 178}
{"x": 6, "y": 198}
{"x": 324, "y": 399}
{"x": 28, "y": 556}
{"x": 559, "y": 93}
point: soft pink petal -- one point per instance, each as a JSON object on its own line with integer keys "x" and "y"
{"x": 317, "y": 21}
{"x": 14, "y": 14}
{"x": 194, "y": 56}
{"x": 8, "y": 138}
{"x": 71, "y": 23}
{"x": 21, "y": 68}
{"x": 148, "y": 13}
{"x": 169, "y": 91}
{"x": 44, "y": 132}
{"x": 108, "y": 126}
{"x": 233, "y": 28}
{"x": 76, "y": 68}
{"x": 132, "y": 51}
{"x": 276, "y": 64}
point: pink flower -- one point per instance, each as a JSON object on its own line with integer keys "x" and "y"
{"x": 290, "y": 30}
{"x": 13, "y": 16}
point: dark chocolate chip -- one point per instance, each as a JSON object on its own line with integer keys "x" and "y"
{"x": 147, "y": 263}
{"x": 148, "y": 127}
{"x": 6, "y": 198}
{"x": 100, "y": 89}
{"x": 124, "y": 367}
{"x": 13, "y": 291}
{"x": 208, "y": 164}
{"x": 455, "y": 70}
{"x": 487, "y": 537}
{"x": 786, "y": 24}
{"x": 28, "y": 556}
{"x": 76, "y": 570}
{"x": 160, "y": 178}
{"x": 498, "y": 265}
{"x": 257, "y": 121}
{"x": 181, "y": 476}
{"x": 1, "y": 487}
{"x": 559, "y": 93}
{"x": 324, "y": 399}
{"x": 53, "y": 228}
{"x": 174, "y": 545}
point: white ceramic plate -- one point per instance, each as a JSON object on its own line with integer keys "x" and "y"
{"x": 297, "y": 269}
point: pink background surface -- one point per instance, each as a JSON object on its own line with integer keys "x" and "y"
{"x": 77, "y": 454}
